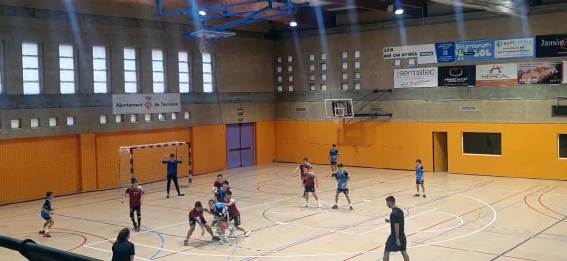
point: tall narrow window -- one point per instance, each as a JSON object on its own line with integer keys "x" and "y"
{"x": 100, "y": 72}
{"x": 207, "y": 72}
{"x": 1, "y": 68}
{"x": 184, "y": 77}
{"x": 158, "y": 71}
{"x": 30, "y": 68}
{"x": 130, "y": 75}
{"x": 66, "y": 69}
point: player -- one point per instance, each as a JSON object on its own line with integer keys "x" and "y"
{"x": 172, "y": 172}
{"x": 221, "y": 216}
{"x": 218, "y": 183}
{"x": 46, "y": 212}
{"x": 196, "y": 217}
{"x": 342, "y": 179}
{"x": 305, "y": 167}
{"x": 397, "y": 239}
{"x": 419, "y": 178}
{"x": 136, "y": 195}
{"x": 334, "y": 158}
{"x": 220, "y": 193}
{"x": 310, "y": 184}
{"x": 234, "y": 214}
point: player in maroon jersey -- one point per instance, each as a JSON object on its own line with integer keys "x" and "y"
{"x": 310, "y": 182}
{"x": 136, "y": 194}
{"x": 305, "y": 167}
{"x": 218, "y": 183}
{"x": 234, "y": 214}
{"x": 196, "y": 217}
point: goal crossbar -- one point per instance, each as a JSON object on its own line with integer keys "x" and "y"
{"x": 155, "y": 145}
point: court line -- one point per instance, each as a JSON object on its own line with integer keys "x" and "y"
{"x": 144, "y": 232}
{"x": 387, "y": 225}
{"x": 445, "y": 229}
{"x": 541, "y": 203}
{"x": 528, "y": 204}
{"x": 104, "y": 250}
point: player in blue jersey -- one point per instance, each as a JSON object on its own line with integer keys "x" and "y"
{"x": 419, "y": 177}
{"x": 172, "y": 163}
{"x": 334, "y": 158}
{"x": 46, "y": 212}
{"x": 220, "y": 212}
{"x": 342, "y": 178}
{"x": 220, "y": 193}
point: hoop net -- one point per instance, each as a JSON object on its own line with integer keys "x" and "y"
{"x": 337, "y": 119}
{"x": 205, "y": 45}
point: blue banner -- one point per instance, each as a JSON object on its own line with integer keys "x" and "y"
{"x": 445, "y": 52}
{"x": 474, "y": 51}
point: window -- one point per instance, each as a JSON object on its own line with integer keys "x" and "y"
{"x": 357, "y": 75}
{"x": 290, "y": 88}
{"x": 161, "y": 117}
{"x": 280, "y": 89}
{"x": 344, "y": 55}
{"x": 100, "y": 73}
{"x": 344, "y": 66}
{"x": 280, "y": 79}
{"x": 207, "y": 72}
{"x": 323, "y": 67}
{"x": 312, "y": 87}
{"x": 148, "y": 117}
{"x": 323, "y": 77}
{"x": 158, "y": 70}
{"x": 312, "y": 77}
{"x": 356, "y": 65}
{"x": 345, "y": 87}
{"x": 34, "y": 123}
{"x": 103, "y": 119}
{"x": 1, "y": 68}
{"x": 174, "y": 116}
{"x": 312, "y": 67}
{"x": 279, "y": 59}
{"x": 289, "y": 59}
{"x": 279, "y": 69}
{"x": 357, "y": 86}
{"x": 356, "y": 54}
{"x": 30, "y": 68}
{"x": 345, "y": 76}
{"x": 289, "y": 68}
{"x": 311, "y": 57}
{"x": 16, "y": 124}
{"x": 187, "y": 115}
{"x": 290, "y": 78}
{"x": 54, "y": 122}
{"x": 130, "y": 71}
{"x": 323, "y": 87}
{"x": 133, "y": 118}
{"x": 184, "y": 77}
{"x": 482, "y": 143}
{"x": 323, "y": 56}
{"x": 70, "y": 121}
{"x": 118, "y": 118}
{"x": 562, "y": 146}
{"x": 67, "y": 69}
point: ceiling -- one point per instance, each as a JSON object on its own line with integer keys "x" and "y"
{"x": 335, "y": 13}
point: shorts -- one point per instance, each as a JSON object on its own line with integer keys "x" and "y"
{"x": 391, "y": 244}
{"x": 418, "y": 182}
{"x": 236, "y": 220}
{"x": 193, "y": 221}
{"x": 334, "y": 163}
{"x": 135, "y": 209}
{"x": 345, "y": 191}
{"x": 309, "y": 189}
{"x": 45, "y": 216}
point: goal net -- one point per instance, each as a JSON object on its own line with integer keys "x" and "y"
{"x": 144, "y": 162}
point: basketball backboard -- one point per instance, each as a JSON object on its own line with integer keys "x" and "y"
{"x": 339, "y": 107}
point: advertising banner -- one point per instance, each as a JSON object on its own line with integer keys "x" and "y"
{"x": 551, "y": 45}
{"x": 474, "y": 51}
{"x": 539, "y": 73}
{"x": 564, "y": 72}
{"x": 416, "y": 77}
{"x": 424, "y": 53}
{"x": 515, "y": 48}
{"x": 445, "y": 52}
{"x": 497, "y": 74}
{"x": 450, "y": 76}
{"x": 146, "y": 103}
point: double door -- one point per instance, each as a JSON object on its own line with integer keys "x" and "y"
{"x": 240, "y": 145}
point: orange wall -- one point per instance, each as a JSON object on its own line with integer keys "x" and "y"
{"x": 32, "y": 166}
{"x": 265, "y": 142}
{"x": 209, "y": 148}
{"x": 528, "y": 150}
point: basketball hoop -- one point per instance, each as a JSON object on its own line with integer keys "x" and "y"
{"x": 337, "y": 119}
{"x": 205, "y": 45}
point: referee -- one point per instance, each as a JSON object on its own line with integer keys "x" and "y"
{"x": 397, "y": 239}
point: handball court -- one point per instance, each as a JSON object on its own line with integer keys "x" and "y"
{"x": 464, "y": 217}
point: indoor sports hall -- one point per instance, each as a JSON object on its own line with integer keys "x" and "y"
{"x": 424, "y": 130}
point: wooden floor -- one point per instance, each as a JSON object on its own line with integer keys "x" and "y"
{"x": 464, "y": 217}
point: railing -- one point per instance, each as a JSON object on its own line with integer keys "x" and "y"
{"x": 34, "y": 252}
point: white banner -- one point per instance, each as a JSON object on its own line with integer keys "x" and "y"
{"x": 514, "y": 48}
{"x": 146, "y": 103}
{"x": 497, "y": 74}
{"x": 564, "y": 72}
{"x": 416, "y": 77}
{"x": 424, "y": 53}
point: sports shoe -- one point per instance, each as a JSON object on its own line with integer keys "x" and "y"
{"x": 231, "y": 234}
{"x": 167, "y": 196}
{"x": 41, "y": 232}
{"x": 306, "y": 205}
{"x": 416, "y": 195}
{"x": 46, "y": 235}
{"x": 351, "y": 208}
{"x": 137, "y": 229}
{"x": 334, "y": 207}
{"x": 225, "y": 240}
{"x": 216, "y": 238}
{"x": 186, "y": 242}
{"x": 424, "y": 196}
{"x": 247, "y": 233}
{"x": 319, "y": 205}
{"x": 181, "y": 195}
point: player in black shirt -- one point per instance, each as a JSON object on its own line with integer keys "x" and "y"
{"x": 122, "y": 249}
{"x": 397, "y": 239}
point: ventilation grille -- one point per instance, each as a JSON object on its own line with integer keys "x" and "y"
{"x": 469, "y": 108}
{"x": 375, "y": 109}
{"x": 300, "y": 109}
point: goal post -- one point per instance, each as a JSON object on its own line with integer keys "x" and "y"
{"x": 144, "y": 162}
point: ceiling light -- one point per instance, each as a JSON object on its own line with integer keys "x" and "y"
{"x": 202, "y": 12}
{"x": 293, "y": 24}
{"x": 399, "y": 11}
